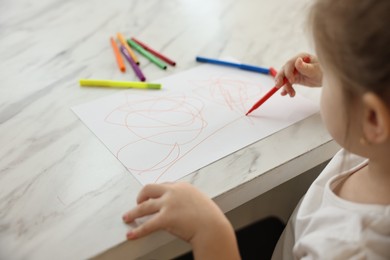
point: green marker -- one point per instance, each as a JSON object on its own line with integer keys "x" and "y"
{"x": 147, "y": 54}
{"x": 117, "y": 84}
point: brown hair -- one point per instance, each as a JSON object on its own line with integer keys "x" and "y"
{"x": 353, "y": 37}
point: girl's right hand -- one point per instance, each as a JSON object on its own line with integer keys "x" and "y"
{"x": 298, "y": 71}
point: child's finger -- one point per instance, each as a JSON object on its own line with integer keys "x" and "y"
{"x": 292, "y": 92}
{"x": 289, "y": 71}
{"x": 146, "y": 208}
{"x": 150, "y": 191}
{"x": 279, "y": 79}
{"x": 288, "y": 89}
{"x": 150, "y": 226}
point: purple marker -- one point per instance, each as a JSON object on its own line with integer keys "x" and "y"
{"x": 136, "y": 69}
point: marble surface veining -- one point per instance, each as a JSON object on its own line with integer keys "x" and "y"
{"x": 62, "y": 193}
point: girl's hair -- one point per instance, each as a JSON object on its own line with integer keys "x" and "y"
{"x": 353, "y": 38}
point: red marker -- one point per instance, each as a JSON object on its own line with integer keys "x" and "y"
{"x": 273, "y": 90}
{"x": 155, "y": 53}
{"x": 273, "y": 72}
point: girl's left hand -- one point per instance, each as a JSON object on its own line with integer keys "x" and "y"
{"x": 178, "y": 208}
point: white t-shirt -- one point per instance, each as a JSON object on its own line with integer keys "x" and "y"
{"x": 325, "y": 226}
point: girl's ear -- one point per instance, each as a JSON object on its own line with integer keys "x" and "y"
{"x": 376, "y": 119}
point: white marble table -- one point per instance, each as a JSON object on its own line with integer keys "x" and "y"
{"x": 62, "y": 193}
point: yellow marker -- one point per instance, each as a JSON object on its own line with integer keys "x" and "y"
{"x": 117, "y": 84}
{"x": 124, "y": 43}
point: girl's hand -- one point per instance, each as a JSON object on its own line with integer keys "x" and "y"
{"x": 179, "y": 208}
{"x": 297, "y": 71}
{"x": 185, "y": 212}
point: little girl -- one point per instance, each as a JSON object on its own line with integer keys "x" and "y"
{"x": 345, "y": 214}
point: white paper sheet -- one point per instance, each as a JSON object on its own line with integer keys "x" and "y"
{"x": 197, "y": 118}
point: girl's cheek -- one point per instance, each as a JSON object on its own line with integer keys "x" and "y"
{"x": 331, "y": 113}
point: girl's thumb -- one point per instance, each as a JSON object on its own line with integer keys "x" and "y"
{"x": 304, "y": 68}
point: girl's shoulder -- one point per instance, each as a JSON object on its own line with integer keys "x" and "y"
{"x": 329, "y": 226}
{"x": 341, "y": 165}
{"x": 343, "y": 230}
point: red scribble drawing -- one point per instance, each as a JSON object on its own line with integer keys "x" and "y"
{"x": 168, "y": 123}
{"x": 166, "y": 128}
{"x": 235, "y": 94}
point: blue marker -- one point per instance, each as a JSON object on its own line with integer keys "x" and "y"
{"x": 233, "y": 64}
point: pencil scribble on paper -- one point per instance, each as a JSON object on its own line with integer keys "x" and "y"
{"x": 233, "y": 93}
{"x": 173, "y": 124}
{"x": 197, "y": 118}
